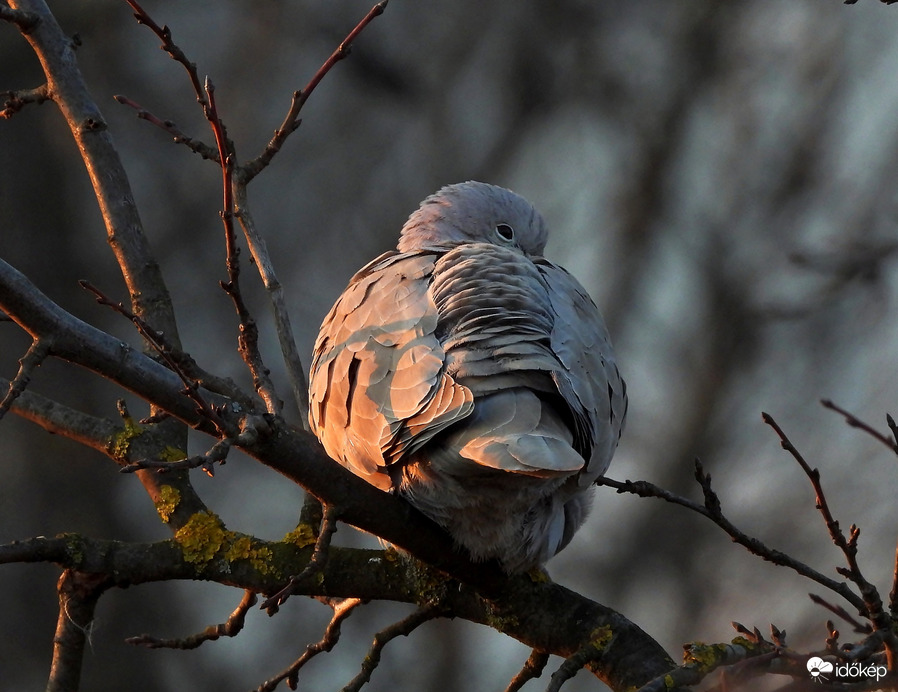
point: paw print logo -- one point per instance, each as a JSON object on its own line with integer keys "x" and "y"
{"x": 817, "y": 667}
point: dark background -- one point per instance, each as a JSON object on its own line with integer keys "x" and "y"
{"x": 720, "y": 176}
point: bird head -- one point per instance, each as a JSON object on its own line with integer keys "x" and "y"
{"x": 475, "y": 212}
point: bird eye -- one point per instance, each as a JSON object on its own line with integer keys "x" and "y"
{"x": 505, "y": 232}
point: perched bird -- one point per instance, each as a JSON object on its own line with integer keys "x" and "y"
{"x": 473, "y": 377}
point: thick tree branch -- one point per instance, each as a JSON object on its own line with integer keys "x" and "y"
{"x": 122, "y": 443}
{"x": 294, "y": 453}
{"x": 69, "y": 91}
{"x": 527, "y": 610}
{"x": 26, "y": 21}
{"x": 148, "y": 293}
{"x": 299, "y": 456}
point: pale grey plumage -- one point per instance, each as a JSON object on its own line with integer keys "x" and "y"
{"x": 472, "y": 376}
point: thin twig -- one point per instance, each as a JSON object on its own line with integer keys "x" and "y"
{"x": 170, "y": 47}
{"x": 160, "y": 344}
{"x": 832, "y": 525}
{"x": 35, "y": 355}
{"x": 893, "y": 426}
{"x": 873, "y": 606}
{"x": 712, "y": 510}
{"x": 572, "y": 665}
{"x": 264, "y": 265}
{"x": 229, "y": 628}
{"x": 856, "y": 422}
{"x": 14, "y": 101}
{"x": 848, "y": 545}
{"x": 248, "y": 338}
{"x": 195, "y": 145}
{"x": 317, "y": 561}
{"x": 251, "y": 169}
{"x": 205, "y": 94}
{"x": 217, "y": 454}
{"x": 399, "y": 629}
{"x": 533, "y": 667}
{"x": 343, "y": 608}
{"x": 177, "y": 360}
{"x": 859, "y": 627}
{"x": 893, "y": 594}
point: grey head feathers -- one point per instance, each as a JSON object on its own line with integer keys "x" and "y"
{"x": 474, "y": 212}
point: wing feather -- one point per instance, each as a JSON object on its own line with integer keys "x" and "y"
{"x": 378, "y": 388}
{"x": 589, "y": 379}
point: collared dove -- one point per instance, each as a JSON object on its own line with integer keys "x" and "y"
{"x": 473, "y": 377}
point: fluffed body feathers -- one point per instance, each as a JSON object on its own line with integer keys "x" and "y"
{"x": 473, "y": 377}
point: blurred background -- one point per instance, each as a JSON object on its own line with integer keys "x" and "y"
{"x": 720, "y": 176}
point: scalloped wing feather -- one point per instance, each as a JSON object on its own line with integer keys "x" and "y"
{"x": 378, "y": 390}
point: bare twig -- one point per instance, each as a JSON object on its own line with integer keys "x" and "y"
{"x": 205, "y": 94}
{"x": 832, "y": 525}
{"x": 572, "y": 665}
{"x": 343, "y": 608}
{"x": 34, "y": 356}
{"x": 855, "y": 422}
{"x": 179, "y": 137}
{"x": 712, "y": 510}
{"x": 217, "y": 454}
{"x": 248, "y": 339}
{"x": 235, "y": 204}
{"x": 873, "y": 606}
{"x": 229, "y": 628}
{"x": 399, "y": 629}
{"x": 170, "y": 47}
{"x": 265, "y": 267}
{"x": 893, "y": 593}
{"x": 251, "y": 169}
{"x": 14, "y": 101}
{"x": 158, "y": 341}
{"x": 533, "y": 667}
{"x": 848, "y": 546}
{"x": 179, "y": 361}
{"x": 858, "y": 626}
{"x": 317, "y": 562}
{"x": 893, "y": 427}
